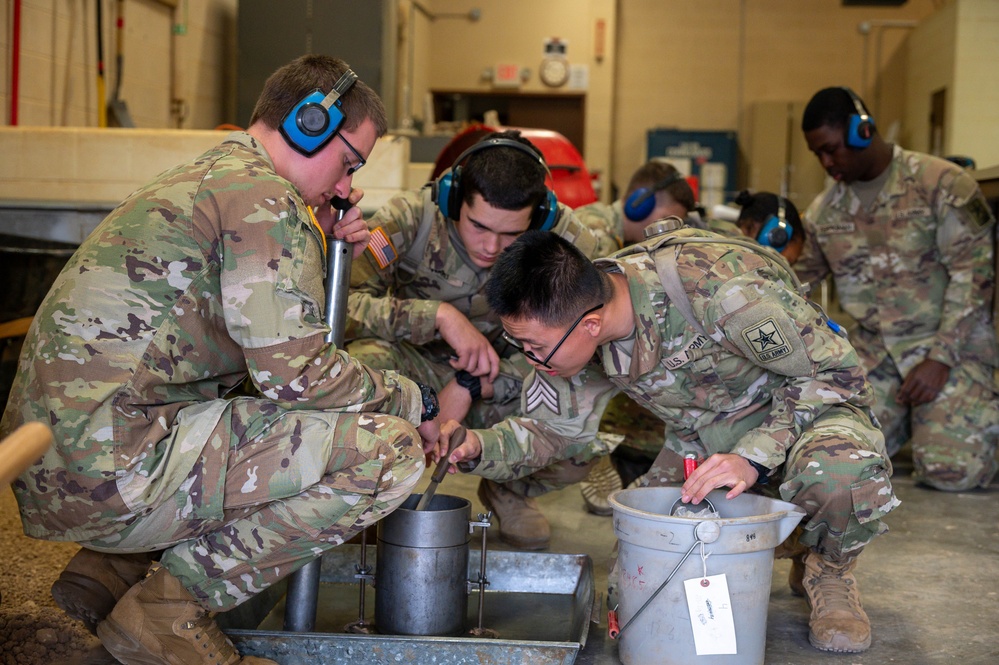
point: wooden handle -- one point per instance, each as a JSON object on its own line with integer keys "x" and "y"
{"x": 21, "y": 449}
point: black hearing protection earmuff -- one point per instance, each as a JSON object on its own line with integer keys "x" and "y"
{"x": 776, "y": 232}
{"x": 317, "y": 117}
{"x": 447, "y": 192}
{"x": 860, "y": 129}
{"x": 642, "y": 201}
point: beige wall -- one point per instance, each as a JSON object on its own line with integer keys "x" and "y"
{"x": 58, "y": 68}
{"x": 514, "y": 31}
{"x": 957, "y": 49}
{"x": 974, "y": 125}
{"x": 703, "y": 64}
{"x": 684, "y": 64}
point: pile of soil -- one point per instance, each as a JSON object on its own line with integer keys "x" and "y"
{"x": 33, "y": 630}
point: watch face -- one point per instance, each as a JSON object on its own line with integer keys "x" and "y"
{"x": 554, "y": 71}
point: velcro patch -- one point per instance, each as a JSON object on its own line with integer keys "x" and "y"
{"x": 541, "y": 393}
{"x": 767, "y": 341}
{"x": 381, "y": 248}
{"x": 979, "y": 211}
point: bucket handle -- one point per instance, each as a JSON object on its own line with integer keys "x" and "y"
{"x": 704, "y": 533}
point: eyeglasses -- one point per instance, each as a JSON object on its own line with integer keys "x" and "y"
{"x": 517, "y": 344}
{"x": 360, "y": 160}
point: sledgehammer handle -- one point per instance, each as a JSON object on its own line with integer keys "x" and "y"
{"x": 21, "y": 449}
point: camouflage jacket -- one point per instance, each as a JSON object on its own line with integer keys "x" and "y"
{"x": 212, "y": 272}
{"x": 606, "y": 222}
{"x": 393, "y": 303}
{"x": 767, "y": 368}
{"x": 916, "y": 272}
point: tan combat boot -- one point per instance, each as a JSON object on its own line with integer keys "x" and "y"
{"x": 602, "y": 480}
{"x": 522, "y": 524}
{"x": 159, "y": 622}
{"x": 838, "y": 622}
{"x": 93, "y": 582}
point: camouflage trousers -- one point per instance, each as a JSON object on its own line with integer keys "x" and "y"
{"x": 953, "y": 437}
{"x": 413, "y": 362}
{"x": 295, "y": 484}
{"x": 837, "y": 471}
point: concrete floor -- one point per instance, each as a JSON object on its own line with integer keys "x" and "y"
{"x": 930, "y": 585}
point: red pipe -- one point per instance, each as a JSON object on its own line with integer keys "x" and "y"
{"x": 15, "y": 62}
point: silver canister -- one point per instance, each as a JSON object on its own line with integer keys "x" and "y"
{"x": 421, "y": 583}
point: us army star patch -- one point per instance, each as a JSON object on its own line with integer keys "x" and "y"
{"x": 766, "y": 341}
{"x": 542, "y": 393}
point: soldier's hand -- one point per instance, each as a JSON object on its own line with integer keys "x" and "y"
{"x": 430, "y": 433}
{"x": 719, "y": 470}
{"x": 469, "y": 449}
{"x": 924, "y": 382}
{"x": 473, "y": 352}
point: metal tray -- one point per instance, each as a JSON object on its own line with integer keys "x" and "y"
{"x": 539, "y": 603}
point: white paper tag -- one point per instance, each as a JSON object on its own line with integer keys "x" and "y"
{"x": 711, "y": 615}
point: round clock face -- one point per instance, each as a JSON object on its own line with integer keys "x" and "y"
{"x": 554, "y": 71}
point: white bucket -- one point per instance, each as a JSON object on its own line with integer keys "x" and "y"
{"x": 652, "y": 543}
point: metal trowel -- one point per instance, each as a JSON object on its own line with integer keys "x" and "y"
{"x": 440, "y": 470}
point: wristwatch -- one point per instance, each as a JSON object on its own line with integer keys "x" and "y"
{"x": 431, "y": 408}
{"x": 764, "y": 472}
{"x": 470, "y": 382}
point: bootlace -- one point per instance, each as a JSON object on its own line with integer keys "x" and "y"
{"x": 215, "y": 647}
{"x": 834, "y": 589}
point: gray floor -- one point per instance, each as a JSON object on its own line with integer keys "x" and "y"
{"x": 930, "y": 586}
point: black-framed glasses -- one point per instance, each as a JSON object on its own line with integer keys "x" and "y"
{"x": 517, "y": 344}
{"x": 360, "y": 160}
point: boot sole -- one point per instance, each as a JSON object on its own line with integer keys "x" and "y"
{"x": 124, "y": 647}
{"x": 850, "y": 647}
{"x": 83, "y": 598}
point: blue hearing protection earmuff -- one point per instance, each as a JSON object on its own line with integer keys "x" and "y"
{"x": 776, "y": 232}
{"x": 642, "y": 201}
{"x": 860, "y": 130}
{"x": 447, "y": 193}
{"x": 314, "y": 120}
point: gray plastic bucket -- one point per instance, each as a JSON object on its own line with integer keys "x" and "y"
{"x": 652, "y": 543}
{"x": 422, "y": 574}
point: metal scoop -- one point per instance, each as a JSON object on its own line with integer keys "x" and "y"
{"x": 440, "y": 470}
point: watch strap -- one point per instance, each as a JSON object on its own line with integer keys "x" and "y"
{"x": 470, "y": 382}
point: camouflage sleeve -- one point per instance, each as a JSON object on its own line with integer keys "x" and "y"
{"x": 273, "y": 297}
{"x": 572, "y": 229}
{"x": 374, "y": 308}
{"x": 510, "y": 381}
{"x": 811, "y": 266}
{"x": 561, "y": 420}
{"x": 966, "y": 238}
{"x": 759, "y": 318}
{"x": 604, "y": 223}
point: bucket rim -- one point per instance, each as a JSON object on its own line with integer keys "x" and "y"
{"x": 750, "y": 519}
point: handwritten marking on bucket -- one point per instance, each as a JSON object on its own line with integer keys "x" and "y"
{"x": 704, "y": 534}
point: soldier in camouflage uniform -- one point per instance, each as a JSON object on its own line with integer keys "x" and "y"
{"x": 417, "y": 305}
{"x": 744, "y": 372}
{"x": 210, "y": 274}
{"x": 673, "y": 196}
{"x": 909, "y": 241}
{"x": 656, "y": 190}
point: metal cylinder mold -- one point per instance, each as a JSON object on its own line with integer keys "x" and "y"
{"x": 422, "y": 572}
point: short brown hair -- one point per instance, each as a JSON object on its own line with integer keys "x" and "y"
{"x": 653, "y": 174}
{"x": 289, "y": 84}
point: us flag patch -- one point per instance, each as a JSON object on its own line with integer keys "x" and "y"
{"x": 381, "y": 248}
